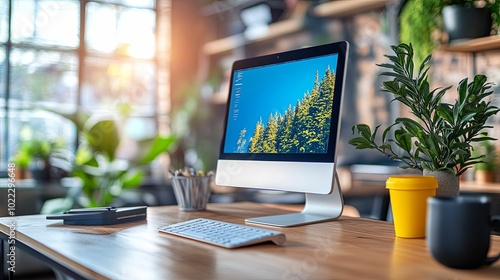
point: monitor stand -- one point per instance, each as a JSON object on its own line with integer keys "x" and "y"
{"x": 318, "y": 208}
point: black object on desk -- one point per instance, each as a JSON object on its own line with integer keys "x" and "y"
{"x": 101, "y": 216}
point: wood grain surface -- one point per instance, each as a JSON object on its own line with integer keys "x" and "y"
{"x": 347, "y": 248}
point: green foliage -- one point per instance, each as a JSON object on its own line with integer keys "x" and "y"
{"x": 103, "y": 176}
{"x": 421, "y": 22}
{"x": 22, "y": 159}
{"x": 300, "y": 129}
{"x": 39, "y": 148}
{"x": 155, "y": 147}
{"x": 441, "y": 136}
{"x": 36, "y": 148}
{"x": 486, "y": 150}
{"x": 102, "y": 136}
{"x": 419, "y": 19}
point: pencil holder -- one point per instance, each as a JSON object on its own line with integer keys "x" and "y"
{"x": 192, "y": 192}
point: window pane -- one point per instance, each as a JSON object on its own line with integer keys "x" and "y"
{"x": 2, "y": 76}
{"x": 134, "y": 3}
{"x": 135, "y": 129}
{"x": 3, "y": 148}
{"x": 139, "y": 3}
{"x": 125, "y": 31}
{"x": 46, "y": 22}
{"x": 43, "y": 76}
{"x": 110, "y": 83}
{"x": 4, "y": 16}
{"x": 39, "y": 124}
{"x": 140, "y": 128}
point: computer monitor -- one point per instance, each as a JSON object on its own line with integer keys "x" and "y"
{"x": 282, "y": 126}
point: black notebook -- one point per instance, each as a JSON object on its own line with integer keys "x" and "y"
{"x": 101, "y": 215}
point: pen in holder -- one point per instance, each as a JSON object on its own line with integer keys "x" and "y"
{"x": 192, "y": 191}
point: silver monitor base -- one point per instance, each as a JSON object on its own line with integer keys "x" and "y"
{"x": 318, "y": 208}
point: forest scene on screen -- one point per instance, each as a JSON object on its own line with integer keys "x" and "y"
{"x": 303, "y": 127}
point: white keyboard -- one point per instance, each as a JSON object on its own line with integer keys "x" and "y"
{"x": 223, "y": 234}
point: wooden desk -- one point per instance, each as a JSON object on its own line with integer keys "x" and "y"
{"x": 348, "y": 248}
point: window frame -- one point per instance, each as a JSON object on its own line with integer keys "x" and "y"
{"x": 82, "y": 53}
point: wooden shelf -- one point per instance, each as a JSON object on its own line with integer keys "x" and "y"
{"x": 337, "y": 8}
{"x": 344, "y": 8}
{"x": 475, "y": 45}
{"x": 275, "y": 30}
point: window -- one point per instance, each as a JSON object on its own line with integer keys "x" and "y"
{"x": 45, "y": 22}
{"x": 45, "y": 62}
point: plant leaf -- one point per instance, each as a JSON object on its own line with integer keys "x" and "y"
{"x": 161, "y": 144}
{"x": 132, "y": 179}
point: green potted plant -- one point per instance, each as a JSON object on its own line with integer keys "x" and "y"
{"x": 485, "y": 170}
{"x": 37, "y": 154}
{"x": 102, "y": 175}
{"x": 21, "y": 160}
{"x": 469, "y": 19}
{"x": 439, "y": 139}
{"x": 423, "y": 24}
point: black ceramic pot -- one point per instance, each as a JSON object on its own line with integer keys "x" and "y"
{"x": 40, "y": 169}
{"x": 463, "y": 23}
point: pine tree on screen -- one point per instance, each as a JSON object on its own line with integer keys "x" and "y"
{"x": 300, "y": 129}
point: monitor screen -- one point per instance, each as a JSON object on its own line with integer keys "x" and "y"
{"x": 283, "y": 108}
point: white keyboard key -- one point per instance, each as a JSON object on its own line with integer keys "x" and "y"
{"x": 228, "y": 235}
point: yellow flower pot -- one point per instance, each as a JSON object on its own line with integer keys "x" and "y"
{"x": 409, "y": 203}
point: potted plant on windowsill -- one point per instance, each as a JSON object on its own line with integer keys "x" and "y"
{"x": 21, "y": 162}
{"x": 36, "y": 153}
{"x": 439, "y": 139}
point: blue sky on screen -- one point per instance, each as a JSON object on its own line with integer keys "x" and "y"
{"x": 270, "y": 89}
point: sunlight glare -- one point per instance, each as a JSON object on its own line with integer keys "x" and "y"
{"x": 136, "y": 29}
{"x": 123, "y": 31}
{"x": 102, "y": 25}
